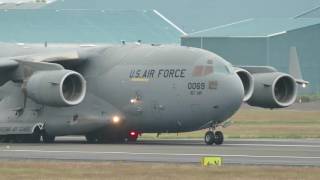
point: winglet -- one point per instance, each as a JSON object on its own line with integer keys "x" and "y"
{"x": 294, "y": 67}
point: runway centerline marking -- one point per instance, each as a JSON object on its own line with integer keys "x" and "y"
{"x": 163, "y": 154}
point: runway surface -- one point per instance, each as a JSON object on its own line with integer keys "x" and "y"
{"x": 272, "y": 152}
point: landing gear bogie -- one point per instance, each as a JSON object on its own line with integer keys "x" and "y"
{"x": 215, "y": 137}
{"x": 47, "y": 138}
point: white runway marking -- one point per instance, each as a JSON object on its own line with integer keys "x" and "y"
{"x": 162, "y": 154}
{"x": 275, "y": 145}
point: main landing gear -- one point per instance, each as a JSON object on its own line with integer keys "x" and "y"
{"x": 35, "y": 137}
{"x": 213, "y": 137}
{"x": 46, "y": 138}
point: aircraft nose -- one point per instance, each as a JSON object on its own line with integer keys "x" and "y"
{"x": 233, "y": 94}
{"x": 237, "y": 89}
{"x": 236, "y": 92}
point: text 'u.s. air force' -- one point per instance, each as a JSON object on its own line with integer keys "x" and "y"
{"x": 157, "y": 73}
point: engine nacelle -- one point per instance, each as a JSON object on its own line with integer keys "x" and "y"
{"x": 273, "y": 90}
{"x": 56, "y": 88}
{"x": 247, "y": 82}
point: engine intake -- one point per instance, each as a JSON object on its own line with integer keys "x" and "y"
{"x": 273, "y": 90}
{"x": 247, "y": 82}
{"x": 56, "y": 88}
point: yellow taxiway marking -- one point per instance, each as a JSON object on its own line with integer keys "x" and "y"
{"x": 211, "y": 161}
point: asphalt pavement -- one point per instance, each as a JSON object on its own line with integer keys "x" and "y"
{"x": 233, "y": 151}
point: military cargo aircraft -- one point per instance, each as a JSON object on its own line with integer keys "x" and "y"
{"x": 114, "y": 93}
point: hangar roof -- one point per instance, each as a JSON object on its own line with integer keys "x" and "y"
{"x": 264, "y": 27}
{"x": 85, "y": 26}
{"x": 195, "y": 15}
{"x": 312, "y": 13}
{"x": 23, "y": 4}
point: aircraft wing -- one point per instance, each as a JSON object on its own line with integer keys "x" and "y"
{"x": 269, "y": 69}
{"x": 6, "y": 67}
{"x": 54, "y": 57}
{"x": 294, "y": 68}
{"x": 7, "y": 64}
{"x": 259, "y": 69}
{"x": 12, "y": 68}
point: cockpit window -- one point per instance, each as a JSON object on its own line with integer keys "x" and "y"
{"x": 222, "y": 66}
{"x": 201, "y": 70}
{"x": 214, "y": 65}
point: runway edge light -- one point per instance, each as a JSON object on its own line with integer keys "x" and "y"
{"x": 211, "y": 161}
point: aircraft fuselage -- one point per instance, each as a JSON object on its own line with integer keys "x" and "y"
{"x": 150, "y": 88}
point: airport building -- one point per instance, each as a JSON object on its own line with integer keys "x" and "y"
{"x": 196, "y": 15}
{"x": 312, "y": 13}
{"x": 23, "y": 4}
{"x": 85, "y": 26}
{"x": 247, "y": 32}
{"x": 266, "y": 42}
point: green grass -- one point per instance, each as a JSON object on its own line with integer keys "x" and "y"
{"x": 309, "y": 97}
{"x": 147, "y": 171}
{"x": 252, "y": 123}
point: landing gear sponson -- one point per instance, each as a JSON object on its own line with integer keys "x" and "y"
{"x": 35, "y": 137}
{"x": 213, "y": 137}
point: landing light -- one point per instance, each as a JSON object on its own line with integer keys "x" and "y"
{"x": 115, "y": 119}
{"x": 304, "y": 85}
{"x": 133, "y": 101}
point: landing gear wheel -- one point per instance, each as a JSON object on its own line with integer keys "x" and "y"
{"x": 209, "y": 138}
{"x": 35, "y": 137}
{"x": 218, "y": 135}
{"x": 47, "y": 138}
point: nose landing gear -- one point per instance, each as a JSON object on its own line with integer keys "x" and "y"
{"x": 213, "y": 137}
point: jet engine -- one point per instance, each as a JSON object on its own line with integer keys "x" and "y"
{"x": 56, "y": 88}
{"x": 273, "y": 90}
{"x": 247, "y": 82}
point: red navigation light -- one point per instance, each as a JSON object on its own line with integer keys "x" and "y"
{"x": 133, "y": 133}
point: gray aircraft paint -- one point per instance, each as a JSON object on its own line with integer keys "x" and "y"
{"x": 165, "y": 103}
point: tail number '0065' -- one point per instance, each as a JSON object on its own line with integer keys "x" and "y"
{"x": 196, "y": 85}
